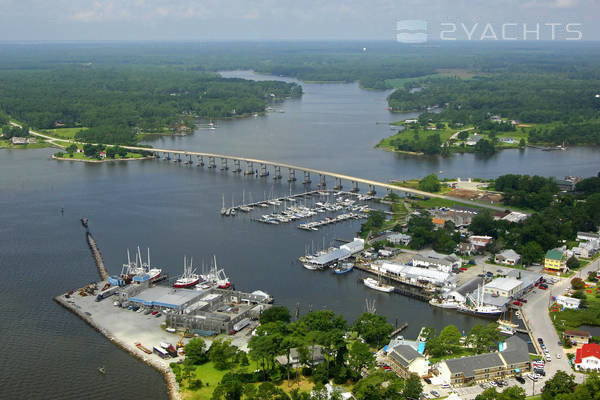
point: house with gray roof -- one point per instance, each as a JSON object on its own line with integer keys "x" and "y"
{"x": 512, "y": 359}
{"x": 315, "y": 354}
{"x": 508, "y": 257}
{"x": 405, "y": 360}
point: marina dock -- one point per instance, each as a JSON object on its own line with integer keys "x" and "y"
{"x": 424, "y": 287}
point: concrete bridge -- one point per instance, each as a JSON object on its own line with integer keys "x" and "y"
{"x": 263, "y": 168}
{"x": 253, "y": 166}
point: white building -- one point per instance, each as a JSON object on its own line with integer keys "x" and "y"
{"x": 480, "y": 242}
{"x": 442, "y": 262}
{"x": 508, "y": 257}
{"x": 399, "y": 238}
{"x": 405, "y": 360}
{"x": 416, "y": 274}
{"x": 515, "y": 217}
{"x": 356, "y": 246}
{"x": 503, "y": 287}
{"x": 587, "y": 357}
{"x": 587, "y": 236}
{"x": 568, "y": 302}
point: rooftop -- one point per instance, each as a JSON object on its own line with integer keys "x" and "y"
{"x": 506, "y": 284}
{"x": 577, "y": 332}
{"x": 164, "y": 296}
{"x": 468, "y": 365}
{"x": 509, "y": 254}
{"x": 555, "y": 254}
{"x": 587, "y": 350}
{"x": 404, "y": 354}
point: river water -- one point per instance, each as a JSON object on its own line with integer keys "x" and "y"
{"x": 173, "y": 209}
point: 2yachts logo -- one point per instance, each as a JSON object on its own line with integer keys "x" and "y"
{"x": 415, "y": 31}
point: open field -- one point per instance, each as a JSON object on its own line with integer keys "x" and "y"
{"x": 63, "y": 133}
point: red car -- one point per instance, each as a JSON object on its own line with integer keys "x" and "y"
{"x": 517, "y": 303}
{"x": 543, "y": 287}
{"x": 463, "y": 269}
{"x": 154, "y": 312}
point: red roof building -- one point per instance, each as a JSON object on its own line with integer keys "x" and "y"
{"x": 588, "y": 357}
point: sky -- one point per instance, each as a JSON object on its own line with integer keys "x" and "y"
{"x": 209, "y": 20}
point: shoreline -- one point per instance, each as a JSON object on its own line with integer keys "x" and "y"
{"x": 101, "y": 161}
{"x": 167, "y": 372}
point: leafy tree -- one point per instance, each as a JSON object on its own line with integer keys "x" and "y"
{"x": 577, "y": 283}
{"x": 268, "y": 391}
{"x": 277, "y": 313}
{"x": 463, "y": 135}
{"x": 430, "y": 183}
{"x": 483, "y": 224}
{"x": 560, "y": 383}
{"x": 230, "y": 388}
{"x": 413, "y": 387}
{"x": 360, "y": 357}
{"x": 482, "y": 338}
{"x": 72, "y": 148}
{"x": 222, "y": 353}
{"x": 573, "y": 263}
{"x": 195, "y": 351}
{"x": 531, "y": 252}
{"x": 373, "y": 328}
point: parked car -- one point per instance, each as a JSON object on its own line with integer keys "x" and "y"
{"x": 517, "y": 303}
{"x": 520, "y": 379}
{"x": 434, "y": 393}
{"x": 154, "y": 312}
{"x": 558, "y": 356}
{"x": 522, "y": 300}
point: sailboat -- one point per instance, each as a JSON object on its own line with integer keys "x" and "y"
{"x": 477, "y": 307}
{"x": 232, "y": 211}
{"x": 377, "y": 284}
{"x": 507, "y": 327}
{"x": 244, "y": 207}
{"x": 223, "y": 209}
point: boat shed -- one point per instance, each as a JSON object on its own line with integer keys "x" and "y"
{"x": 167, "y": 297}
{"x": 433, "y": 276}
{"x": 331, "y": 257}
{"x": 356, "y": 246}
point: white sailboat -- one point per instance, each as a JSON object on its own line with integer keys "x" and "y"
{"x": 378, "y": 285}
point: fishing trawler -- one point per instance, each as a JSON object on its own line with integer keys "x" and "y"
{"x": 189, "y": 277}
{"x": 475, "y": 306}
{"x": 378, "y": 285}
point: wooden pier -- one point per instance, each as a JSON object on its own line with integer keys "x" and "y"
{"x": 399, "y": 330}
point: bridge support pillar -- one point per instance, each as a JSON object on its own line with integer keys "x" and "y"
{"x": 168, "y": 157}
{"x": 236, "y": 166}
{"x": 306, "y": 179}
{"x": 178, "y": 158}
{"x": 263, "y": 170}
{"x": 189, "y": 160}
{"x": 224, "y": 166}
{"x": 371, "y": 191}
{"x": 355, "y": 188}
{"x": 200, "y": 161}
{"x": 157, "y": 155}
{"x": 338, "y": 184}
{"x": 291, "y": 175}
{"x": 249, "y": 168}
{"x": 277, "y": 175}
{"x": 212, "y": 162}
{"x": 322, "y": 183}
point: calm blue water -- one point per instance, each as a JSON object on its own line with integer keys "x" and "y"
{"x": 173, "y": 209}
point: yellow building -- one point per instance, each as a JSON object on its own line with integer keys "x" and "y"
{"x": 555, "y": 260}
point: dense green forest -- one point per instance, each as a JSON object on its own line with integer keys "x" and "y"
{"x": 118, "y": 102}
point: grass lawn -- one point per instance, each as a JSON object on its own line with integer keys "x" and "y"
{"x": 461, "y": 352}
{"x": 63, "y": 133}
{"x": 5, "y": 144}
{"x": 389, "y": 143}
{"x": 572, "y": 319}
{"x": 208, "y": 374}
{"x": 435, "y": 202}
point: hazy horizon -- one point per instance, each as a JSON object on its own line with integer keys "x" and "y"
{"x": 286, "y": 20}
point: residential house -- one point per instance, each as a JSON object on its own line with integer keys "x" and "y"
{"x": 555, "y": 260}
{"x": 473, "y": 140}
{"x": 442, "y": 262}
{"x": 399, "y": 238}
{"x": 503, "y": 287}
{"x": 458, "y": 217}
{"x": 588, "y": 236}
{"x": 465, "y": 248}
{"x": 405, "y": 360}
{"x": 508, "y": 257}
{"x": 586, "y": 249}
{"x": 507, "y": 140}
{"x": 568, "y": 302}
{"x": 577, "y": 336}
{"x": 314, "y": 353}
{"x": 480, "y": 242}
{"x": 512, "y": 360}
{"x": 102, "y": 154}
{"x": 515, "y": 217}
{"x": 22, "y": 140}
{"x": 587, "y": 357}
{"x": 438, "y": 222}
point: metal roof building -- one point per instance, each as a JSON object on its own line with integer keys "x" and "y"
{"x": 331, "y": 257}
{"x": 168, "y": 297}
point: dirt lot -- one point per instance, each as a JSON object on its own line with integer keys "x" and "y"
{"x": 479, "y": 195}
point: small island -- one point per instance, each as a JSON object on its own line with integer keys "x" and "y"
{"x": 100, "y": 153}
